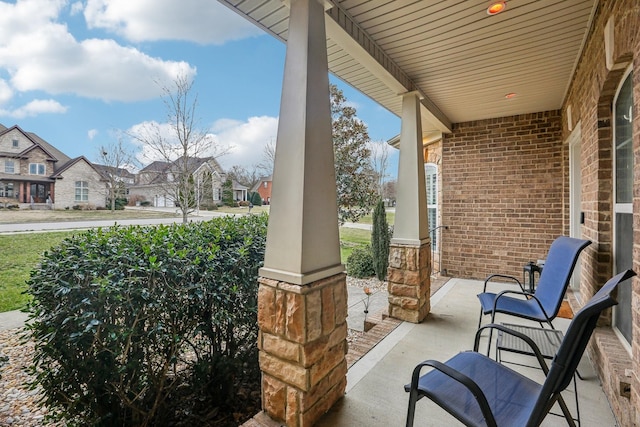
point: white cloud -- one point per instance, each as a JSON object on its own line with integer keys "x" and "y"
{"x": 92, "y": 133}
{"x": 34, "y": 108}
{"x": 244, "y": 142}
{"x": 39, "y": 53}
{"x": 76, "y": 8}
{"x": 5, "y": 92}
{"x": 151, "y": 20}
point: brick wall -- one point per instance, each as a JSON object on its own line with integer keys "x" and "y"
{"x": 503, "y": 193}
{"x": 590, "y": 98}
{"x": 65, "y": 189}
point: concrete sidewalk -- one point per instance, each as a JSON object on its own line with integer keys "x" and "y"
{"x": 12, "y": 319}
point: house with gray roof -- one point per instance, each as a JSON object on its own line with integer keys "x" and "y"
{"x": 155, "y": 183}
{"x": 34, "y": 174}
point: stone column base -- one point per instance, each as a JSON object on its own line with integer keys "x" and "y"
{"x": 303, "y": 343}
{"x": 409, "y": 282}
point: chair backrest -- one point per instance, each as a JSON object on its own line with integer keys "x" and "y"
{"x": 556, "y": 273}
{"x": 575, "y": 341}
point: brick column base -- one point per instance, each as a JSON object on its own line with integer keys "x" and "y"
{"x": 303, "y": 343}
{"x": 409, "y": 282}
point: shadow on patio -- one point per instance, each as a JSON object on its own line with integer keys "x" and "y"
{"x": 375, "y": 394}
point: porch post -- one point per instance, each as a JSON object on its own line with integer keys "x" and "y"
{"x": 410, "y": 249}
{"x": 302, "y": 298}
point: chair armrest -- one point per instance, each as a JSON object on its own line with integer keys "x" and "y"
{"x": 534, "y": 348}
{"x": 525, "y": 294}
{"x": 502, "y": 276}
{"x": 462, "y": 379}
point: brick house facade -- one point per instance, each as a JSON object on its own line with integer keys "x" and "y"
{"x": 264, "y": 189}
{"x": 508, "y": 183}
{"x": 33, "y": 174}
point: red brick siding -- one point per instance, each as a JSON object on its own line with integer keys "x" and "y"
{"x": 265, "y": 193}
{"x": 590, "y": 97}
{"x": 503, "y": 193}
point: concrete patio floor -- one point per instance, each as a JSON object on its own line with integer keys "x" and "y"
{"x": 375, "y": 395}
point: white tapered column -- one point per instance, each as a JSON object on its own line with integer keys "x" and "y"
{"x": 410, "y": 250}
{"x": 302, "y": 298}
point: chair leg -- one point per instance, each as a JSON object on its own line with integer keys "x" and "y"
{"x": 575, "y": 390}
{"x": 411, "y": 410}
{"x": 565, "y": 411}
{"x": 480, "y": 318}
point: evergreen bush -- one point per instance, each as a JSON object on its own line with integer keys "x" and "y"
{"x": 227, "y": 193}
{"x": 255, "y": 198}
{"x": 148, "y": 325}
{"x": 360, "y": 263}
{"x": 380, "y": 238}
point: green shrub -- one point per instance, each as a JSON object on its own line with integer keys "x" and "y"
{"x": 120, "y": 203}
{"x": 227, "y": 193}
{"x": 255, "y": 198}
{"x": 360, "y": 262}
{"x": 380, "y": 239}
{"x": 148, "y": 325}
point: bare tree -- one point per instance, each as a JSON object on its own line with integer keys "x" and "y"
{"x": 180, "y": 143}
{"x": 379, "y": 163}
{"x": 245, "y": 176}
{"x": 389, "y": 192}
{"x": 268, "y": 159}
{"x": 114, "y": 160}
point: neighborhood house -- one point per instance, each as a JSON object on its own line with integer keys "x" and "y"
{"x": 34, "y": 174}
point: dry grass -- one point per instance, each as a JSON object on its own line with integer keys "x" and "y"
{"x": 9, "y": 216}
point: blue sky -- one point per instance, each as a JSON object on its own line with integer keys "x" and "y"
{"x": 77, "y": 72}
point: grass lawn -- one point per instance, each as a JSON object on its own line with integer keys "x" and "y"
{"x": 243, "y": 209}
{"x": 20, "y": 254}
{"x": 351, "y": 238}
{"x": 8, "y": 216}
{"x": 368, "y": 219}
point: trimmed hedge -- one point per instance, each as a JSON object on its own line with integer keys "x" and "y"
{"x": 148, "y": 325}
{"x": 360, "y": 263}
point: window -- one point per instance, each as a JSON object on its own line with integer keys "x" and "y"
{"x": 14, "y": 143}
{"x": 431, "y": 177}
{"x": 623, "y": 203}
{"x": 36, "y": 169}
{"x": 9, "y": 166}
{"x": 265, "y": 184}
{"x": 82, "y": 191}
{"x": 6, "y": 189}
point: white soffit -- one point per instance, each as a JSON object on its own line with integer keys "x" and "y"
{"x": 463, "y": 61}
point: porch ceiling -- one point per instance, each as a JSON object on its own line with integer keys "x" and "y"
{"x": 460, "y": 59}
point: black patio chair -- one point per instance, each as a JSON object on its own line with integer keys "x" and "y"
{"x": 544, "y": 304}
{"x": 479, "y": 391}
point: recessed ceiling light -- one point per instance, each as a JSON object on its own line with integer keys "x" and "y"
{"x": 510, "y": 95}
{"x": 496, "y": 7}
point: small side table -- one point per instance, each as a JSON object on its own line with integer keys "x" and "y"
{"x": 547, "y": 340}
{"x": 530, "y": 269}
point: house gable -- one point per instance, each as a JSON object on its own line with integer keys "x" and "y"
{"x": 79, "y": 170}
{"x": 14, "y": 141}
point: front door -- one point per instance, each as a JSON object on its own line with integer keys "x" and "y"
{"x": 39, "y": 192}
